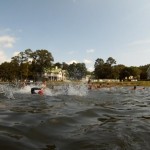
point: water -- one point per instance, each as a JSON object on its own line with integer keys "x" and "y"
{"x": 70, "y": 117}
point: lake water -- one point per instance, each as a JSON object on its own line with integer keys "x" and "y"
{"x": 70, "y": 117}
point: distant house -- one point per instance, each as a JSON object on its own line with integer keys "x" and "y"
{"x": 148, "y": 73}
{"x": 55, "y": 74}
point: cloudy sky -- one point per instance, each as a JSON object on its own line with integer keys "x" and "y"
{"x": 77, "y": 30}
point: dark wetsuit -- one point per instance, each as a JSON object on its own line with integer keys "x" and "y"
{"x": 33, "y": 90}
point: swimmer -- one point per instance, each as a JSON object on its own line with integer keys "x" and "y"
{"x": 40, "y": 90}
{"x": 135, "y": 88}
{"x": 34, "y": 89}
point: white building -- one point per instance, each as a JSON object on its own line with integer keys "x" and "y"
{"x": 55, "y": 74}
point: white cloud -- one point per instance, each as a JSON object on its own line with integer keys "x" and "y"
{"x": 72, "y": 61}
{"x": 89, "y": 64}
{"x": 86, "y": 61}
{"x": 2, "y": 57}
{"x": 15, "y": 53}
{"x": 7, "y": 41}
{"x": 90, "y": 50}
{"x": 90, "y": 68}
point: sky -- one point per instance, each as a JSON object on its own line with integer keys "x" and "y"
{"x": 78, "y": 31}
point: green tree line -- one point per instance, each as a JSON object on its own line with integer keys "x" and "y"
{"x": 31, "y": 65}
{"x": 109, "y": 70}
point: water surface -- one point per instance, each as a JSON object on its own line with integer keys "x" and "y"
{"x": 74, "y": 118}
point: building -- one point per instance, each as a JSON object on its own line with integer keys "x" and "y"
{"x": 55, "y": 74}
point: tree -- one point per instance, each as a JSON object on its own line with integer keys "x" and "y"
{"x": 59, "y": 65}
{"x": 7, "y": 71}
{"x": 143, "y": 74}
{"x": 17, "y": 62}
{"x": 107, "y": 71}
{"x": 109, "y": 68}
{"x": 111, "y": 61}
{"x": 125, "y": 73}
{"x": 103, "y": 70}
{"x": 21, "y": 62}
{"x": 77, "y": 70}
{"x": 41, "y": 59}
{"x": 130, "y": 71}
{"x": 116, "y": 70}
{"x": 135, "y": 71}
{"x": 65, "y": 66}
{"x": 99, "y": 62}
{"x": 81, "y": 70}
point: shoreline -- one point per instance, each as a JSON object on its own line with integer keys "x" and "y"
{"x": 97, "y": 85}
{"x": 103, "y": 84}
{"x": 130, "y": 83}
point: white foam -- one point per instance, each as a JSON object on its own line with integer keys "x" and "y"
{"x": 65, "y": 89}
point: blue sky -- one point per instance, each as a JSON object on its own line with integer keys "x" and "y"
{"x": 77, "y": 30}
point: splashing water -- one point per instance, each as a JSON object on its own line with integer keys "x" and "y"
{"x": 64, "y": 89}
{"x": 80, "y": 89}
{"x": 25, "y": 89}
{"x": 7, "y": 90}
{"x": 1, "y": 89}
